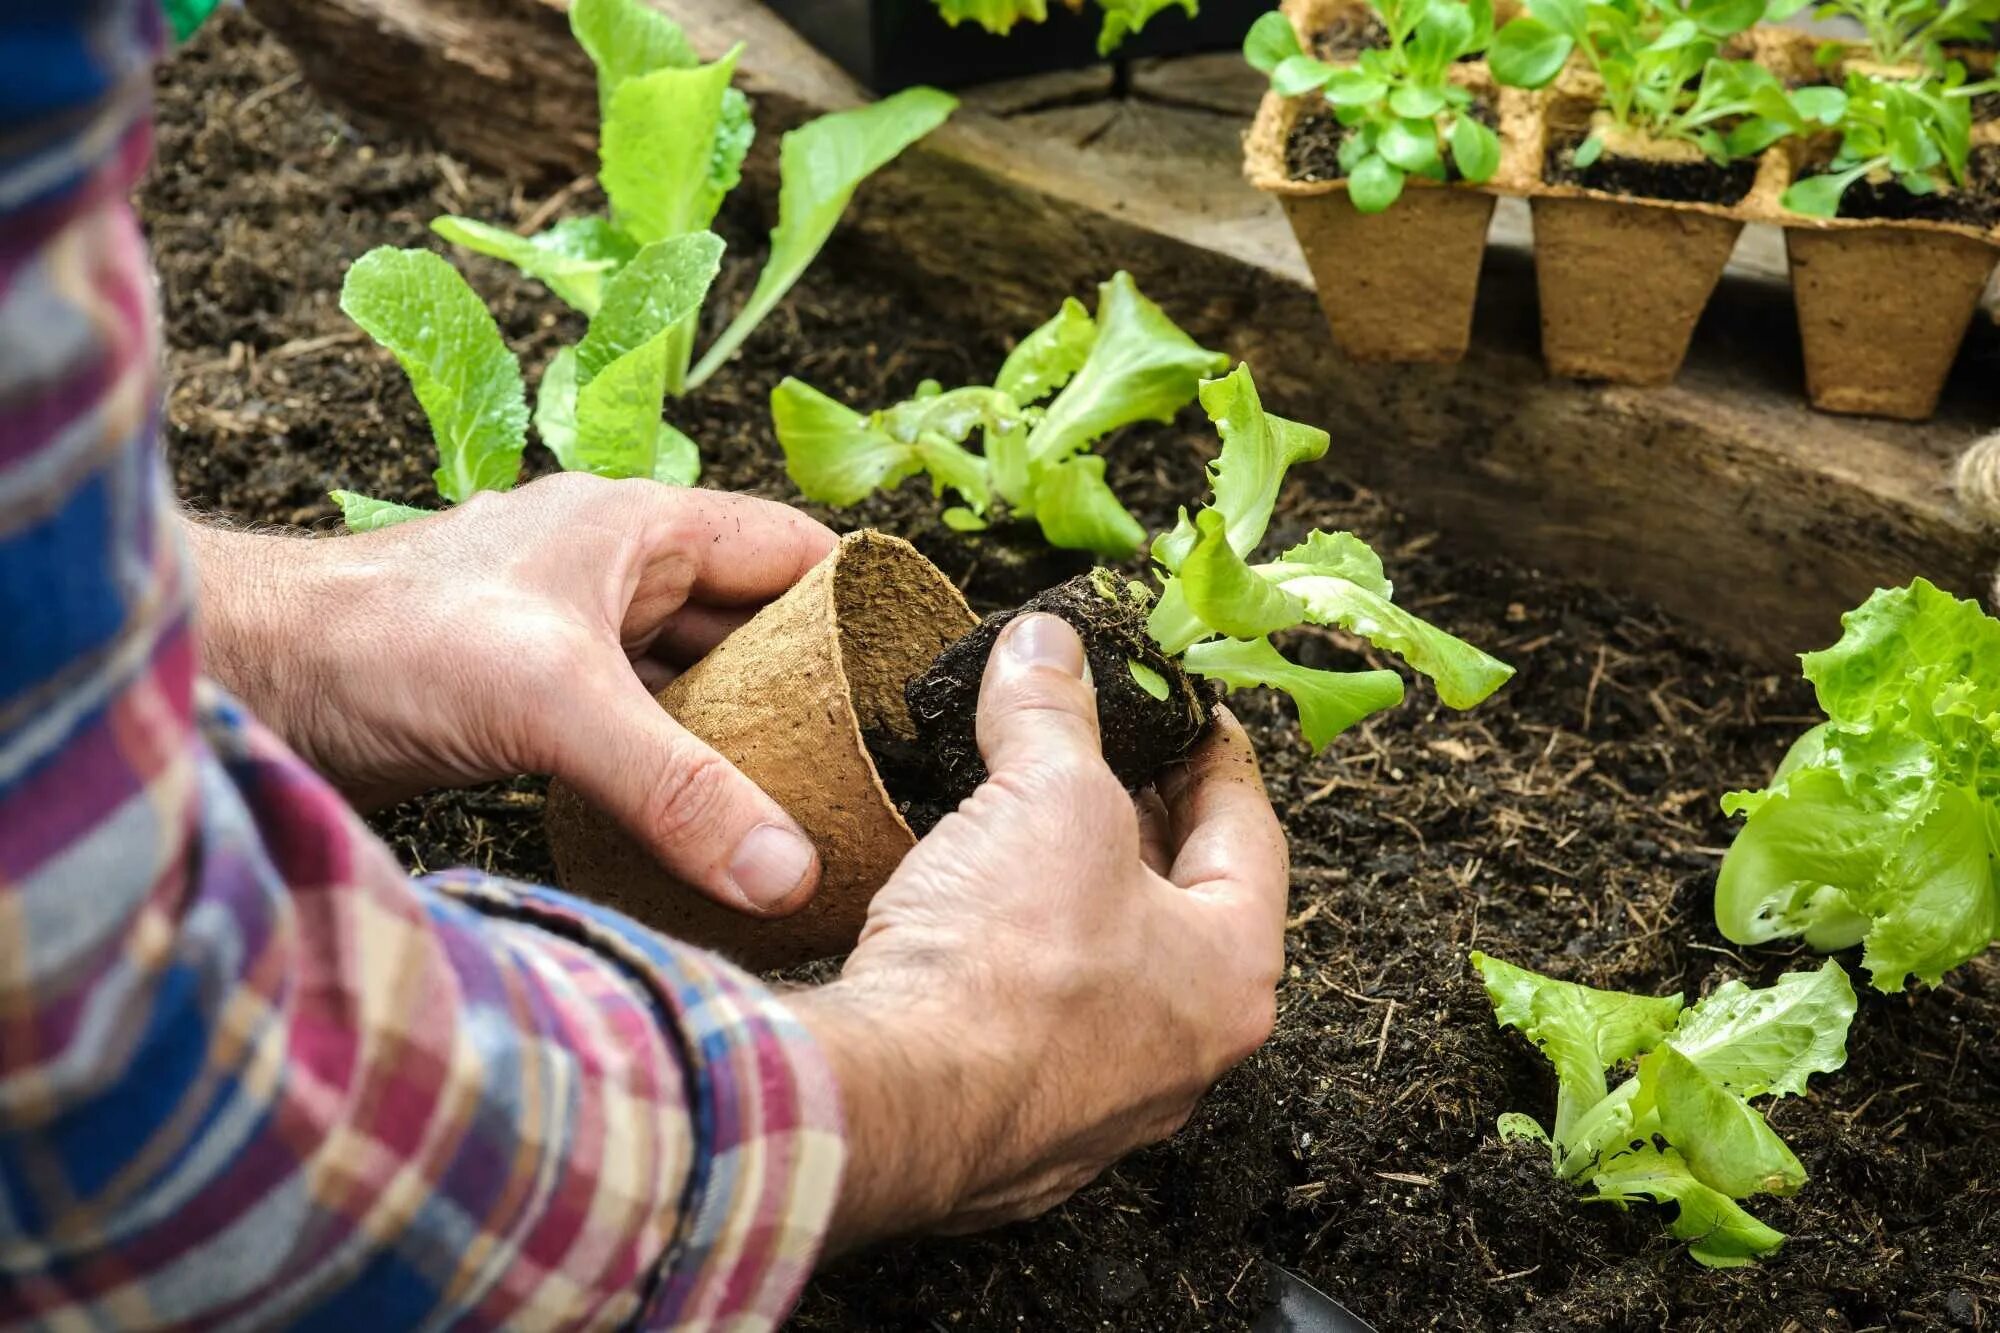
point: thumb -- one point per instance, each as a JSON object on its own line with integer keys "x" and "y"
{"x": 712, "y": 827}
{"x": 1036, "y": 706}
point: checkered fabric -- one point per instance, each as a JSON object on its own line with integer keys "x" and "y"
{"x": 251, "y": 1075}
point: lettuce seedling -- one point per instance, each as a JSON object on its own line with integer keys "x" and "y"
{"x": 1403, "y": 114}
{"x": 1917, "y": 132}
{"x": 1680, "y": 1129}
{"x": 1131, "y": 363}
{"x": 1881, "y": 827}
{"x": 1216, "y": 611}
{"x": 1662, "y": 76}
{"x": 1121, "y": 17}
{"x": 1902, "y": 33}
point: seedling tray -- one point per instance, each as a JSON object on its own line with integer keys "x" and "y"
{"x": 1882, "y": 305}
{"x": 892, "y": 44}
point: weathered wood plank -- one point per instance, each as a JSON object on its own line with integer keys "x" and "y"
{"x": 1723, "y": 498}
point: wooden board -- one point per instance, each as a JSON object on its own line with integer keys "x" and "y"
{"x": 1723, "y": 499}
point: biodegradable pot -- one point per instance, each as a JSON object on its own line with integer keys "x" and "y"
{"x": 1398, "y": 285}
{"x": 787, "y": 699}
{"x": 1882, "y": 311}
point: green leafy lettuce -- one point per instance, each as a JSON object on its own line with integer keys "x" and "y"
{"x": 1881, "y": 827}
{"x": 1216, "y": 611}
{"x": 1680, "y": 1129}
{"x": 1122, "y": 18}
{"x": 1069, "y": 384}
{"x": 1916, "y": 132}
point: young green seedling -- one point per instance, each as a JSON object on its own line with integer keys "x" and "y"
{"x": 1121, "y": 17}
{"x": 1662, "y": 77}
{"x": 1916, "y": 132}
{"x": 1680, "y": 1129}
{"x": 1902, "y": 34}
{"x": 1881, "y": 827}
{"x": 1131, "y": 363}
{"x": 673, "y": 137}
{"x": 1403, "y": 113}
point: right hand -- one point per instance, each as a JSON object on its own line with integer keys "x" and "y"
{"x": 1057, "y": 974}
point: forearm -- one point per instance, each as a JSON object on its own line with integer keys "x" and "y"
{"x": 249, "y": 595}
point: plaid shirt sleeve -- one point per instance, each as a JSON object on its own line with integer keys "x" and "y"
{"x": 251, "y": 1076}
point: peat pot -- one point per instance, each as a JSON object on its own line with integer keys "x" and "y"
{"x": 1882, "y": 311}
{"x": 892, "y": 44}
{"x": 1399, "y": 285}
{"x": 787, "y": 699}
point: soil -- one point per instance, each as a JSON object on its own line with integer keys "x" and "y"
{"x": 1312, "y": 152}
{"x": 1569, "y": 825}
{"x": 1674, "y": 182}
{"x": 1349, "y": 35}
{"x": 1977, "y": 204}
{"x": 1142, "y": 734}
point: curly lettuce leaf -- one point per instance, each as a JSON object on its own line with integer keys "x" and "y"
{"x": 1726, "y": 1142}
{"x": 658, "y": 156}
{"x": 820, "y": 165}
{"x": 1768, "y": 1041}
{"x": 1258, "y": 449}
{"x": 663, "y": 286}
{"x": 1225, "y": 594}
{"x": 1882, "y": 826}
{"x": 1047, "y": 358}
{"x": 573, "y": 259}
{"x": 1329, "y": 702}
{"x": 1718, "y": 1232}
{"x": 996, "y": 16}
{"x": 838, "y": 456}
{"x": 1123, "y": 18}
{"x": 415, "y": 304}
{"x": 1078, "y": 512}
{"x": 626, "y": 39}
{"x": 362, "y": 513}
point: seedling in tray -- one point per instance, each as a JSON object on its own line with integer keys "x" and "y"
{"x": 1680, "y": 1129}
{"x": 1121, "y": 17}
{"x": 673, "y": 137}
{"x": 1881, "y": 827}
{"x": 1402, "y": 112}
{"x": 1904, "y": 34}
{"x": 1915, "y": 132}
{"x": 1131, "y": 363}
{"x": 1664, "y": 83}
{"x": 1210, "y": 621}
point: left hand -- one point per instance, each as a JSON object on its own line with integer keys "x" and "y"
{"x": 523, "y": 633}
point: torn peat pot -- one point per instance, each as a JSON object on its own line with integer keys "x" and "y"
{"x": 791, "y": 699}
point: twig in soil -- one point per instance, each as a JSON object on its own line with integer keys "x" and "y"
{"x": 263, "y": 95}
{"x": 552, "y": 205}
{"x": 1509, "y": 1277}
{"x": 1590, "y": 691}
{"x": 1229, "y": 1296}
{"x": 1382, "y": 1042}
{"x": 1727, "y": 953}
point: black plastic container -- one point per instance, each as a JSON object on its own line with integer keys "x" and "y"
{"x": 892, "y": 44}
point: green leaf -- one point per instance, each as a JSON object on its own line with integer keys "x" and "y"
{"x": 627, "y": 39}
{"x": 1770, "y": 1040}
{"x": 1725, "y": 1142}
{"x": 1476, "y": 150}
{"x": 1353, "y": 87}
{"x": 619, "y": 432}
{"x": 1297, "y": 74}
{"x": 833, "y": 454}
{"x": 663, "y": 286}
{"x": 996, "y": 16}
{"x": 1078, "y": 512}
{"x": 1528, "y": 53}
{"x": 1718, "y": 1232}
{"x": 1258, "y": 449}
{"x": 1464, "y": 675}
{"x": 1329, "y": 702}
{"x": 572, "y": 259}
{"x": 468, "y": 383}
{"x": 1125, "y": 17}
{"x": 1047, "y": 358}
{"x": 1819, "y": 196}
{"x": 363, "y": 514}
{"x": 1270, "y": 41}
{"x": 1822, "y": 103}
{"x": 1147, "y": 679}
{"x": 1142, "y": 367}
{"x": 820, "y": 165}
{"x": 960, "y": 519}
{"x": 1374, "y": 184}
{"x": 1411, "y": 145}
{"x": 658, "y": 155}
{"x": 1588, "y": 151}
{"x": 1225, "y": 594}
{"x": 555, "y": 408}
{"x": 1584, "y": 1031}
{"x": 676, "y": 458}
{"x": 1416, "y": 102}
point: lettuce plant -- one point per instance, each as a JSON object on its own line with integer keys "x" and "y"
{"x": 1121, "y": 17}
{"x": 1403, "y": 114}
{"x": 1663, "y": 79}
{"x": 1216, "y": 611}
{"x": 1917, "y": 132}
{"x": 1881, "y": 827}
{"x": 1903, "y": 33}
{"x": 1130, "y": 363}
{"x": 673, "y": 137}
{"x": 1680, "y": 1128}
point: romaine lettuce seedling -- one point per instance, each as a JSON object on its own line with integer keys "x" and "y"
{"x": 1121, "y": 17}
{"x": 1680, "y": 1129}
{"x": 1662, "y": 78}
{"x": 1902, "y": 33}
{"x": 1131, "y": 363}
{"x": 1212, "y": 619}
{"x": 673, "y": 136}
{"x": 1403, "y": 114}
{"x": 1917, "y": 132}
{"x": 1882, "y": 825}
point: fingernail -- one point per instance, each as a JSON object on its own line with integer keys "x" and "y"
{"x": 771, "y": 864}
{"x": 1039, "y": 640}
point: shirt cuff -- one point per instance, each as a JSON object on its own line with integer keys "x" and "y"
{"x": 763, "y": 1107}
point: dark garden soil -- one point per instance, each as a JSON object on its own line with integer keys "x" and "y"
{"x": 1674, "y": 182}
{"x": 1569, "y": 825}
{"x": 1976, "y": 204}
{"x": 1349, "y": 35}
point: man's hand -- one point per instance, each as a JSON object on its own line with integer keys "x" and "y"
{"x": 523, "y": 633}
{"x": 1056, "y": 974}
